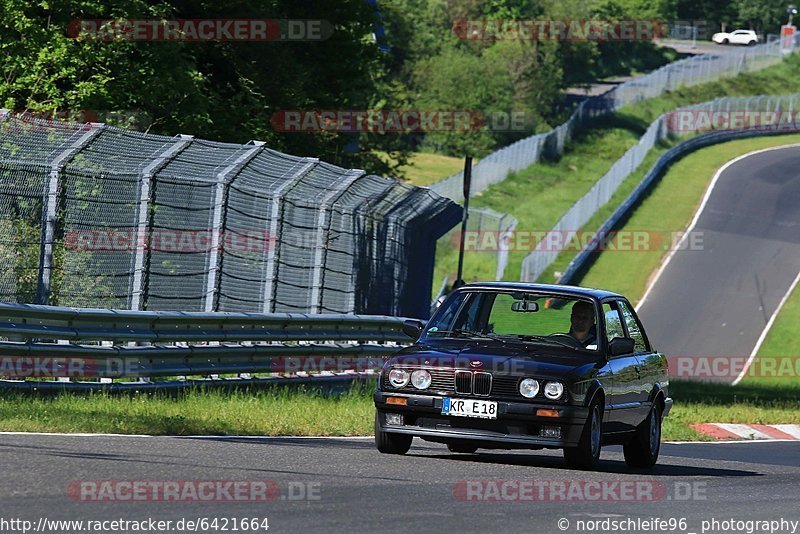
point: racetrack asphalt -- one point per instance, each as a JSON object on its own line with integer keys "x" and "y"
{"x": 715, "y": 300}
{"x": 356, "y": 489}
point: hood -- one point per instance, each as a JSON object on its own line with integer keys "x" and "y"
{"x": 511, "y": 358}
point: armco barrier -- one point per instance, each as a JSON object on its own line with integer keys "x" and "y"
{"x": 584, "y": 259}
{"x": 87, "y": 344}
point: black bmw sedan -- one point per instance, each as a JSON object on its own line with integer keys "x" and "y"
{"x": 510, "y": 365}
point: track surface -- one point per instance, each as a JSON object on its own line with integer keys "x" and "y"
{"x": 717, "y": 300}
{"x": 363, "y": 490}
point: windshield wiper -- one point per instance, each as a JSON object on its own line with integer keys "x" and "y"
{"x": 546, "y": 339}
{"x": 470, "y": 333}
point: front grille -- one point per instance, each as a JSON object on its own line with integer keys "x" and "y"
{"x": 506, "y": 386}
{"x": 463, "y": 382}
{"x": 449, "y": 382}
{"x": 482, "y": 383}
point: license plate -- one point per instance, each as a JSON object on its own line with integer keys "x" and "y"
{"x": 469, "y": 408}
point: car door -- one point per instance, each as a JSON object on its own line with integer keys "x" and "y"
{"x": 648, "y": 364}
{"x": 623, "y": 400}
{"x": 738, "y": 37}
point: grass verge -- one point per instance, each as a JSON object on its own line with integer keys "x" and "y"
{"x": 282, "y": 412}
{"x": 747, "y": 403}
{"x": 425, "y": 168}
{"x": 272, "y": 412}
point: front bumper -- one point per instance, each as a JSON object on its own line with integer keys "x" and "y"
{"x": 516, "y": 426}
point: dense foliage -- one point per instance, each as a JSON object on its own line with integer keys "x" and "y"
{"x": 230, "y": 90}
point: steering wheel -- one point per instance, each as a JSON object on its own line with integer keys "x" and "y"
{"x": 567, "y": 338}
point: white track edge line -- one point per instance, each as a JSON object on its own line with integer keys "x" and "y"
{"x": 698, "y": 213}
{"x": 766, "y": 330}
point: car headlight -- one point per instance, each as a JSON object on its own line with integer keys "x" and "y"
{"x": 398, "y": 378}
{"x": 421, "y": 379}
{"x": 553, "y": 390}
{"x": 529, "y": 388}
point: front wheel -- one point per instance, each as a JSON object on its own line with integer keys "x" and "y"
{"x": 389, "y": 443}
{"x": 642, "y": 450}
{"x": 725, "y": 41}
{"x": 587, "y": 454}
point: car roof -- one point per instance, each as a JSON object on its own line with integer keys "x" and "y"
{"x": 571, "y": 291}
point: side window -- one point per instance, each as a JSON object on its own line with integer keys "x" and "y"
{"x": 613, "y": 322}
{"x": 633, "y": 328}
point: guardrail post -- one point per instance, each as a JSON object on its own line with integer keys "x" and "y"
{"x": 323, "y": 229}
{"x": 51, "y": 206}
{"x": 220, "y": 211}
{"x": 270, "y": 267}
{"x": 143, "y": 218}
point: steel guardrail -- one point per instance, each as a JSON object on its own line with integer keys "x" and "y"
{"x": 61, "y": 342}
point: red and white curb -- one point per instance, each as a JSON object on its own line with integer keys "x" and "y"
{"x": 726, "y": 431}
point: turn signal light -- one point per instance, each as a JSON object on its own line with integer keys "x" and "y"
{"x": 547, "y": 413}
{"x": 399, "y": 401}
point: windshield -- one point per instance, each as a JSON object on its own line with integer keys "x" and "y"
{"x": 519, "y": 316}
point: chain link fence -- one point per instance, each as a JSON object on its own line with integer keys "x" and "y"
{"x": 487, "y": 230}
{"x": 688, "y": 72}
{"x": 97, "y": 216}
{"x": 779, "y": 113}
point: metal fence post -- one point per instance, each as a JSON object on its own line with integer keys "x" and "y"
{"x": 218, "y": 218}
{"x": 143, "y": 217}
{"x": 270, "y": 267}
{"x": 323, "y": 229}
{"x": 49, "y": 210}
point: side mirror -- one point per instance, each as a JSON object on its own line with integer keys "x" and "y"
{"x": 621, "y": 345}
{"x": 413, "y": 328}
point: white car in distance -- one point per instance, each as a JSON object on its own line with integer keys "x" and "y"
{"x": 740, "y": 37}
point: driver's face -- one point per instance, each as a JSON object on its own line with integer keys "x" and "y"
{"x": 582, "y": 318}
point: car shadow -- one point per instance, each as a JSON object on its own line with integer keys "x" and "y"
{"x": 605, "y": 465}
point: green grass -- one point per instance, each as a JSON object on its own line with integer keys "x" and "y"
{"x": 746, "y": 403}
{"x": 425, "y": 168}
{"x": 781, "y": 349}
{"x": 667, "y": 210}
{"x": 539, "y": 195}
{"x": 282, "y": 412}
{"x": 271, "y": 412}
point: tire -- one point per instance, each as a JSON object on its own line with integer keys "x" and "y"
{"x": 461, "y": 449}
{"x": 642, "y": 450}
{"x": 587, "y": 454}
{"x": 724, "y": 41}
{"x": 751, "y": 43}
{"x": 389, "y": 443}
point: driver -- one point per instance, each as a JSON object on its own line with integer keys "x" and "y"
{"x": 583, "y": 327}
